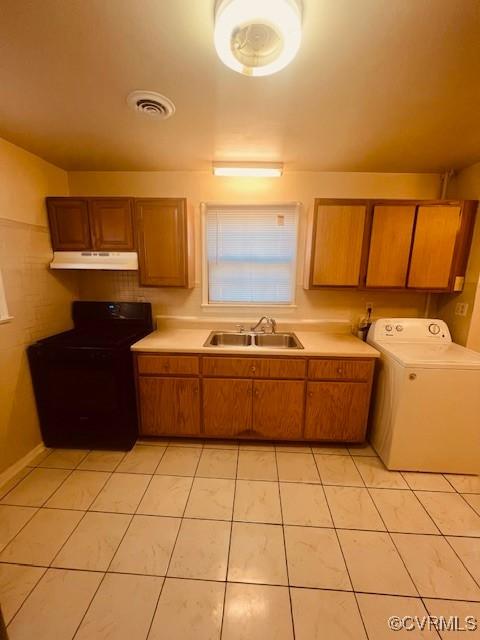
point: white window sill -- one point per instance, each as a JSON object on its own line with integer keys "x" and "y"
{"x": 6, "y": 319}
{"x": 233, "y": 305}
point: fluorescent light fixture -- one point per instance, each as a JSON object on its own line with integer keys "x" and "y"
{"x": 248, "y": 169}
{"x": 257, "y": 37}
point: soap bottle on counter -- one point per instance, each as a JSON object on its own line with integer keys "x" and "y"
{"x": 364, "y": 324}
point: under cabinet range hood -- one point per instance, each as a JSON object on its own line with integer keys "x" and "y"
{"x": 95, "y": 260}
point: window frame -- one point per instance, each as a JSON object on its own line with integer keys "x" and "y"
{"x": 204, "y": 252}
{"x": 4, "y": 315}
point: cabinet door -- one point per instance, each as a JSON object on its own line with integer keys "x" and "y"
{"x": 162, "y": 238}
{"x": 111, "y": 221}
{"x": 337, "y": 411}
{"x": 169, "y": 406}
{"x": 390, "y": 244}
{"x": 433, "y": 246}
{"x": 69, "y": 224}
{"x": 227, "y": 406}
{"x": 278, "y": 408}
{"x": 337, "y": 245}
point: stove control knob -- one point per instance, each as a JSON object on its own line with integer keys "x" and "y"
{"x": 399, "y": 327}
{"x": 388, "y": 327}
{"x": 434, "y": 328}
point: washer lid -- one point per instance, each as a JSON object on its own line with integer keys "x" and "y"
{"x": 438, "y": 356}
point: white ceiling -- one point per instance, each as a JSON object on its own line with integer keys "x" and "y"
{"x": 378, "y": 85}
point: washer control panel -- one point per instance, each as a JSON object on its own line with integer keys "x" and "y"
{"x": 409, "y": 330}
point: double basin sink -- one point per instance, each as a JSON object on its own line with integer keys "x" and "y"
{"x": 270, "y": 340}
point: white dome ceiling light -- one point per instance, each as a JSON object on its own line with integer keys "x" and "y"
{"x": 257, "y": 37}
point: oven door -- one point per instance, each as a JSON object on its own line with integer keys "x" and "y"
{"x": 85, "y": 397}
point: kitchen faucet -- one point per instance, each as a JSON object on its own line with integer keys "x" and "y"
{"x": 270, "y": 324}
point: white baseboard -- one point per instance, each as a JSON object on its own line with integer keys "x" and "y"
{"x": 12, "y": 471}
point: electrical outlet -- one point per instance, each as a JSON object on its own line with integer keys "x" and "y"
{"x": 461, "y": 308}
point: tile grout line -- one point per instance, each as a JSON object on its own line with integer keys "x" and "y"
{"x": 173, "y": 546}
{"x": 342, "y": 552}
{"x": 119, "y": 543}
{"x": 391, "y": 538}
{"x": 39, "y": 508}
{"x": 263, "y": 584}
{"x": 225, "y": 582}
{"x": 85, "y": 512}
{"x": 285, "y": 547}
{"x": 20, "y": 606}
{"x": 117, "y": 547}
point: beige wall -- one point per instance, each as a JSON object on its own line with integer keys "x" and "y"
{"x": 38, "y": 299}
{"x": 303, "y": 187}
{"x": 466, "y": 329}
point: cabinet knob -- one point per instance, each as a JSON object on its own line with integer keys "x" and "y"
{"x": 310, "y": 394}
{"x": 254, "y": 369}
{"x": 339, "y": 371}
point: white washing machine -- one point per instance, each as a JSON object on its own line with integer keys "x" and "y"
{"x": 426, "y": 414}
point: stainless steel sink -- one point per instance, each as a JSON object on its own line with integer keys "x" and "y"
{"x": 227, "y": 339}
{"x": 278, "y": 341}
{"x": 271, "y": 340}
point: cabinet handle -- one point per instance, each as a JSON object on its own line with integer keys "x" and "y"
{"x": 310, "y": 394}
{"x": 339, "y": 371}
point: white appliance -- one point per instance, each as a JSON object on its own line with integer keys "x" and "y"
{"x": 100, "y": 260}
{"x": 426, "y": 414}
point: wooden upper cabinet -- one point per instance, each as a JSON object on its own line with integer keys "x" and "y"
{"x": 69, "y": 224}
{"x": 111, "y": 221}
{"x": 434, "y": 246}
{"x": 390, "y": 244}
{"x": 337, "y": 244}
{"x": 164, "y": 234}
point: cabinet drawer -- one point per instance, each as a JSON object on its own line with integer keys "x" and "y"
{"x": 168, "y": 365}
{"x": 340, "y": 369}
{"x": 254, "y": 367}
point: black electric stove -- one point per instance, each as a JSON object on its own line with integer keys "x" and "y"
{"x": 83, "y": 378}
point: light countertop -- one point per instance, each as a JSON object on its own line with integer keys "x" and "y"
{"x": 315, "y": 343}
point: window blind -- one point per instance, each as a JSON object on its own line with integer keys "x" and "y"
{"x": 251, "y": 252}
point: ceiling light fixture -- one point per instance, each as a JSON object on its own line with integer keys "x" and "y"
{"x": 248, "y": 169}
{"x": 257, "y": 37}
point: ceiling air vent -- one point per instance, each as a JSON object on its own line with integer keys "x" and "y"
{"x": 151, "y": 104}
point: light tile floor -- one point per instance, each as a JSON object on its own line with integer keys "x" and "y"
{"x": 188, "y": 540}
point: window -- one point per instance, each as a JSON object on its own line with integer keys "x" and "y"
{"x": 250, "y": 253}
{"x": 4, "y": 316}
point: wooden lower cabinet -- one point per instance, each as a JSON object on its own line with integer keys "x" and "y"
{"x": 227, "y": 407}
{"x": 226, "y": 397}
{"x": 169, "y": 406}
{"x": 278, "y": 409}
{"x": 337, "y": 411}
